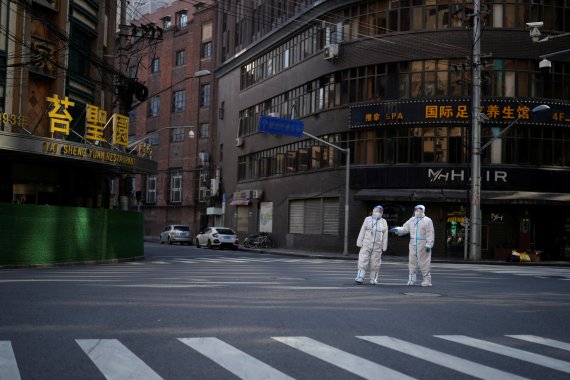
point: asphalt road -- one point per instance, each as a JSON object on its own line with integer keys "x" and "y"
{"x": 188, "y": 313}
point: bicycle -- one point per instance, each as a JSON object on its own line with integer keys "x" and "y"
{"x": 261, "y": 240}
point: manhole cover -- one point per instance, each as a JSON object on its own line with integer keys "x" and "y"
{"x": 423, "y": 294}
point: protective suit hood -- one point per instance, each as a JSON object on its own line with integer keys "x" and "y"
{"x": 420, "y": 211}
{"x": 377, "y": 212}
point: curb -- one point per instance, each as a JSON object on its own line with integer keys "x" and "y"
{"x": 403, "y": 259}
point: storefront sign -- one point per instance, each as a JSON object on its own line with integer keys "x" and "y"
{"x": 95, "y": 121}
{"x": 13, "y": 120}
{"x": 456, "y": 111}
{"x": 62, "y": 149}
{"x": 461, "y": 175}
{"x": 58, "y": 149}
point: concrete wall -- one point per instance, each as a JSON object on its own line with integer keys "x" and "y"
{"x": 36, "y": 235}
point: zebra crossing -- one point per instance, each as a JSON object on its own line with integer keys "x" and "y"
{"x": 116, "y": 361}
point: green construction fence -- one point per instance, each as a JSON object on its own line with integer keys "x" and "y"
{"x": 43, "y": 235}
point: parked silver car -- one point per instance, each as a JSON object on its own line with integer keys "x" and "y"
{"x": 176, "y": 233}
{"x": 217, "y": 237}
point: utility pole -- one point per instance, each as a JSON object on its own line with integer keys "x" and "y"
{"x": 123, "y": 107}
{"x": 475, "y": 217}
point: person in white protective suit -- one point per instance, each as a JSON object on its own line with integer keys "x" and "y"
{"x": 420, "y": 228}
{"x": 372, "y": 240}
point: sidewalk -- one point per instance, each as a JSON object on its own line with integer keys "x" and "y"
{"x": 394, "y": 258}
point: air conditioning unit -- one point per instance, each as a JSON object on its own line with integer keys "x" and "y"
{"x": 239, "y": 141}
{"x": 331, "y": 51}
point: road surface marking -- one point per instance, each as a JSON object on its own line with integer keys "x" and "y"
{"x": 237, "y": 362}
{"x": 342, "y": 359}
{"x": 115, "y": 361}
{"x": 530, "y": 357}
{"x": 453, "y": 362}
{"x": 8, "y": 366}
{"x": 543, "y": 341}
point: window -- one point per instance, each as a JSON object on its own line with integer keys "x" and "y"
{"x": 180, "y": 58}
{"x": 154, "y": 106}
{"x": 207, "y": 50}
{"x": 204, "y": 132}
{"x": 205, "y": 96}
{"x": 166, "y": 22}
{"x": 179, "y": 98}
{"x": 315, "y": 216}
{"x": 152, "y": 139}
{"x": 207, "y": 40}
{"x": 182, "y": 18}
{"x": 176, "y": 186}
{"x": 155, "y": 65}
{"x": 151, "y": 189}
{"x": 177, "y": 135}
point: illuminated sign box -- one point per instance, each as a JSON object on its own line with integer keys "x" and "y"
{"x": 455, "y": 111}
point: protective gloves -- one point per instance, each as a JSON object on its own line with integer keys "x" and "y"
{"x": 394, "y": 230}
{"x": 428, "y": 249}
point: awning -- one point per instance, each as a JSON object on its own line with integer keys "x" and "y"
{"x": 449, "y": 195}
{"x": 239, "y": 202}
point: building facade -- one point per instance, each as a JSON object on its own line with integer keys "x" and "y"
{"x": 391, "y": 80}
{"x": 62, "y": 143}
{"x": 175, "y": 121}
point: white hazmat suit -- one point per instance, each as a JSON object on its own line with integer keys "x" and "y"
{"x": 421, "y": 231}
{"x": 372, "y": 240}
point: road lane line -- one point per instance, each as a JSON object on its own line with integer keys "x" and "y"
{"x": 530, "y": 357}
{"x": 8, "y": 366}
{"x": 453, "y": 362}
{"x": 543, "y": 341}
{"x": 342, "y": 359}
{"x": 115, "y": 361}
{"x": 237, "y": 362}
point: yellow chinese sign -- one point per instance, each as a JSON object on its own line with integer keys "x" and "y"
{"x": 454, "y": 111}
{"x": 13, "y": 120}
{"x": 60, "y": 118}
{"x": 120, "y": 130}
{"x": 95, "y": 123}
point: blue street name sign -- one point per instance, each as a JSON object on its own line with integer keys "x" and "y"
{"x": 279, "y": 126}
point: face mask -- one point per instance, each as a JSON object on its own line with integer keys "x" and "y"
{"x": 377, "y": 214}
{"x": 419, "y": 213}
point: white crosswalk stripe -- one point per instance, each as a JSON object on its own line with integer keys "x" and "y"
{"x": 237, "y": 362}
{"x": 530, "y": 357}
{"x": 115, "y": 361}
{"x": 453, "y": 362}
{"x": 8, "y": 366}
{"x": 342, "y": 359}
{"x": 543, "y": 341}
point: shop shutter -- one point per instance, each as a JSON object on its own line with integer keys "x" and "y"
{"x": 313, "y": 216}
{"x": 330, "y": 216}
{"x": 243, "y": 217}
{"x": 296, "y": 214}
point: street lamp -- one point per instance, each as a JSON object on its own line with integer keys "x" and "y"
{"x": 540, "y": 108}
{"x": 475, "y": 217}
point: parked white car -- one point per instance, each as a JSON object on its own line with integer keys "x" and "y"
{"x": 217, "y": 237}
{"x": 176, "y": 233}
